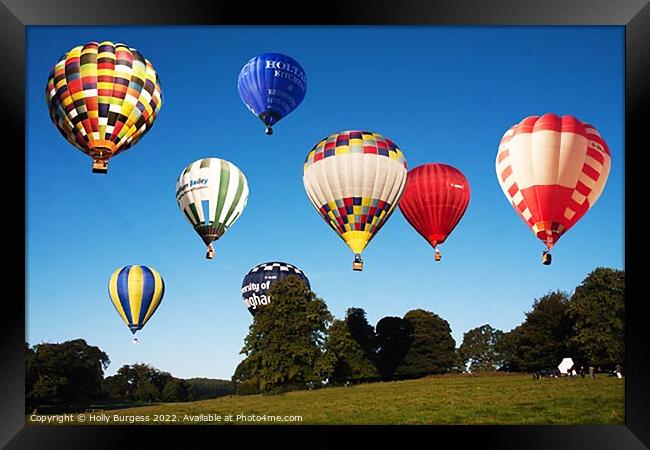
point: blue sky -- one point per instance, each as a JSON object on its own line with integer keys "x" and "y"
{"x": 443, "y": 94}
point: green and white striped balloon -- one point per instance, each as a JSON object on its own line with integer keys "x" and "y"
{"x": 212, "y": 193}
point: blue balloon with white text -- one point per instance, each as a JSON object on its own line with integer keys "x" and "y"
{"x": 259, "y": 280}
{"x": 272, "y": 85}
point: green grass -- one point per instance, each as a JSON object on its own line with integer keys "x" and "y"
{"x": 447, "y": 399}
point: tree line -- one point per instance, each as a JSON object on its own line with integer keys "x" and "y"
{"x": 297, "y": 344}
{"x": 588, "y": 326}
{"x": 69, "y": 376}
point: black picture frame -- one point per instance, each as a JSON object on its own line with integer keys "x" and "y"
{"x": 634, "y": 15}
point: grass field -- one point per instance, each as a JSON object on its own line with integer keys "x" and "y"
{"x": 447, "y": 399}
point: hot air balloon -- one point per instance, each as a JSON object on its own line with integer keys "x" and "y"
{"x": 212, "y": 193}
{"x": 552, "y": 169}
{"x": 272, "y": 85}
{"x": 355, "y": 179}
{"x": 259, "y": 280}
{"x": 434, "y": 200}
{"x": 136, "y": 292}
{"x": 103, "y": 98}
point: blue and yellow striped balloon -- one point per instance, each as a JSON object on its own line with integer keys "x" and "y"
{"x": 136, "y": 292}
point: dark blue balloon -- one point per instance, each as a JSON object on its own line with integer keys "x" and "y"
{"x": 272, "y": 85}
{"x": 258, "y": 281}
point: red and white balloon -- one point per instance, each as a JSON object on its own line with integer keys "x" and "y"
{"x": 552, "y": 169}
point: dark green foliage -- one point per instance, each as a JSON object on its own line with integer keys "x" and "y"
{"x": 248, "y": 387}
{"x": 433, "y": 350}
{"x": 31, "y": 374}
{"x": 542, "y": 340}
{"x": 479, "y": 349}
{"x": 394, "y": 338}
{"x": 63, "y": 376}
{"x": 116, "y": 388}
{"x": 507, "y": 348}
{"x": 589, "y": 327}
{"x": 349, "y": 362}
{"x": 147, "y": 392}
{"x": 598, "y": 311}
{"x": 143, "y": 383}
{"x": 245, "y": 380}
{"x": 362, "y": 332}
{"x": 204, "y": 388}
{"x": 285, "y": 343}
{"x": 458, "y": 365}
{"x": 176, "y": 390}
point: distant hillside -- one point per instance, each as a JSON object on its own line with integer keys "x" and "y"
{"x": 206, "y": 388}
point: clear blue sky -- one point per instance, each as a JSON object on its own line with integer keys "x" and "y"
{"x": 443, "y": 94}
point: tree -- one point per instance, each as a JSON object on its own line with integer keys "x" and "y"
{"x": 458, "y": 365}
{"x": 63, "y": 376}
{"x": 362, "y": 332}
{"x": 31, "y": 375}
{"x": 142, "y": 383}
{"x": 543, "y": 339}
{"x": 394, "y": 338}
{"x": 349, "y": 360}
{"x": 147, "y": 392}
{"x": 598, "y": 310}
{"x": 479, "y": 349}
{"x": 176, "y": 390}
{"x": 116, "y": 388}
{"x": 204, "y": 388}
{"x": 286, "y": 341}
{"x": 433, "y": 350}
{"x": 507, "y": 348}
{"x": 245, "y": 379}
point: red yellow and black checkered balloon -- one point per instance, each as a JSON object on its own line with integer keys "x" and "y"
{"x": 103, "y": 98}
{"x": 355, "y": 179}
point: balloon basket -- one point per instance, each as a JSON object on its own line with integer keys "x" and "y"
{"x": 135, "y": 341}
{"x": 546, "y": 258}
{"x": 268, "y": 131}
{"x": 100, "y": 166}
{"x": 437, "y": 256}
{"x": 209, "y": 254}
{"x": 357, "y": 264}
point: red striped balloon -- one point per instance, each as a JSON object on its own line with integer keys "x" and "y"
{"x": 552, "y": 169}
{"x": 435, "y": 198}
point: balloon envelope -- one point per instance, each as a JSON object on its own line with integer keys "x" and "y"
{"x": 565, "y": 365}
{"x": 552, "y": 169}
{"x": 355, "y": 179}
{"x": 212, "y": 194}
{"x": 103, "y": 97}
{"x": 272, "y": 85}
{"x": 435, "y": 198}
{"x": 259, "y": 280}
{"x": 136, "y": 292}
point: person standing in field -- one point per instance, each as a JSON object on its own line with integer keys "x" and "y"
{"x": 592, "y": 373}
